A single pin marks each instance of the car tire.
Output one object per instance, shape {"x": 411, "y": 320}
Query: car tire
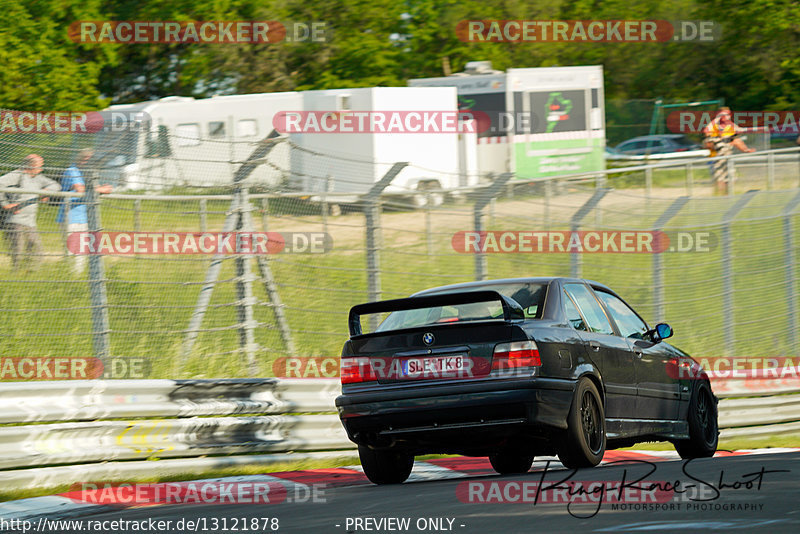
{"x": 510, "y": 463}
{"x": 585, "y": 441}
{"x": 703, "y": 425}
{"x": 386, "y": 466}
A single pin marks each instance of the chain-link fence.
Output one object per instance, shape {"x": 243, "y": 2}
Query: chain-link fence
{"x": 337, "y": 230}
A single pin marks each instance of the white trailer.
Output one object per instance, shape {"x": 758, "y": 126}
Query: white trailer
{"x": 191, "y": 142}
{"x": 182, "y": 141}
{"x": 544, "y": 121}
{"x": 352, "y": 162}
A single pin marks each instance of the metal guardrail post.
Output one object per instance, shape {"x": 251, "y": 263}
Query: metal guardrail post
{"x": 97, "y": 279}
{"x": 372, "y": 215}
{"x": 727, "y": 271}
{"x": 791, "y": 272}
{"x": 658, "y": 264}
{"x": 483, "y": 198}
{"x": 575, "y": 222}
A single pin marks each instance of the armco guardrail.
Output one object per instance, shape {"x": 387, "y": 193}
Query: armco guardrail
{"x": 72, "y": 424}
{"x": 85, "y": 400}
{"x": 95, "y": 421}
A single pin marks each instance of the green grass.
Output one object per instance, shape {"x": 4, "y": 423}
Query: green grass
{"x": 46, "y": 313}
{"x": 731, "y": 444}
{"x": 278, "y": 467}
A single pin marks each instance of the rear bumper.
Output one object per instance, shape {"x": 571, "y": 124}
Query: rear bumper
{"x": 455, "y": 417}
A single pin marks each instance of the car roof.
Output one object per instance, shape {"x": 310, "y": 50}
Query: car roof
{"x": 531, "y": 280}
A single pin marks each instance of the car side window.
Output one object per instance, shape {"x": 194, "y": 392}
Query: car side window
{"x": 573, "y": 315}
{"x": 629, "y": 324}
{"x": 596, "y": 318}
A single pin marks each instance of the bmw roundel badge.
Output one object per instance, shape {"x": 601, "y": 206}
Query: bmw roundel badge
{"x": 428, "y": 338}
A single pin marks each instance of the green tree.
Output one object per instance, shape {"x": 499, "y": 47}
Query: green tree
{"x": 42, "y": 68}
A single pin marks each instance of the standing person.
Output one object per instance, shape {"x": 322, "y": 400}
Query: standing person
{"x": 20, "y": 226}
{"x": 722, "y": 135}
{"x": 78, "y": 217}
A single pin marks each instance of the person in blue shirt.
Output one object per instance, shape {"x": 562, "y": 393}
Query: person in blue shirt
{"x": 77, "y": 216}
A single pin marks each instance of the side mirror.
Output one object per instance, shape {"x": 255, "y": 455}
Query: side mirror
{"x": 661, "y": 332}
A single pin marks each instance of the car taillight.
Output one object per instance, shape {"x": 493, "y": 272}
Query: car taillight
{"x": 356, "y": 370}
{"x": 515, "y": 355}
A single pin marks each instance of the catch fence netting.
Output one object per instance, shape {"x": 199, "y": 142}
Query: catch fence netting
{"x": 337, "y": 235}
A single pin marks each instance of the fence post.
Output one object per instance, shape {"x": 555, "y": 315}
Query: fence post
{"x": 204, "y": 299}
{"x": 483, "y": 198}
{"x": 372, "y": 215}
{"x": 648, "y": 180}
{"x": 265, "y": 214}
{"x": 791, "y": 271}
{"x": 66, "y": 202}
{"x": 548, "y": 194}
{"x": 137, "y": 215}
{"x": 324, "y": 205}
{"x": 244, "y": 292}
{"x": 270, "y": 285}
{"x": 770, "y": 170}
{"x": 731, "y": 174}
{"x": 234, "y": 220}
{"x": 97, "y": 279}
{"x": 429, "y": 224}
{"x": 658, "y": 265}
{"x": 575, "y": 222}
{"x": 727, "y": 271}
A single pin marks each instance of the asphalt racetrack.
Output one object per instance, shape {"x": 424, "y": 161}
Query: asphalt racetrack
{"x": 748, "y": 493}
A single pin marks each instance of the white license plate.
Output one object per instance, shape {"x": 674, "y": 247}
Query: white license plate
{"x": 434, "y": 367}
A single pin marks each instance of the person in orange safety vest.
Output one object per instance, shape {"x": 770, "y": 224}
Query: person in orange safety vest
{"x": 722, "y": 136}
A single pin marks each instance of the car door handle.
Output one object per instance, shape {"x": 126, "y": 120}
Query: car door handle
{"x": 595, "y": 346}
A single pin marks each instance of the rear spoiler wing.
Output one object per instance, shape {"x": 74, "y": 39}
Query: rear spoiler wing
{"x": 511, "y": 308}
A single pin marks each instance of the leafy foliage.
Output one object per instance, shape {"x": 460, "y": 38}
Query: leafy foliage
{"x": 754, "y": 65}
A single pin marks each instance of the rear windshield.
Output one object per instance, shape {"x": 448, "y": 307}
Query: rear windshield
{"x": 529, "y": 296}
